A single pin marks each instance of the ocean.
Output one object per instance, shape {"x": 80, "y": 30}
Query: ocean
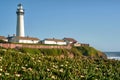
{"x": 113, "y": 55}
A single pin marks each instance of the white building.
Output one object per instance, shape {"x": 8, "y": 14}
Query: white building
{"x": 70, "y": 40}
{"x": 54, "y": 41}
{"x": 3, "y": 38}
{"x": 16, "y": 39}
{"x": 77, "y": 44}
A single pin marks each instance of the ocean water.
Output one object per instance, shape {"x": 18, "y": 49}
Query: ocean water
{"x": 113, "y": 55}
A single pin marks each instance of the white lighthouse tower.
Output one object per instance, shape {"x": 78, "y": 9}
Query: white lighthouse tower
{"x": 20, "y": 35}
{"x": 20, "y": 21}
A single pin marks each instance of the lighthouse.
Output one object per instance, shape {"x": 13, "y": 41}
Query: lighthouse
{"x": 20, "y": 35}
{"x": 20, "y": 21}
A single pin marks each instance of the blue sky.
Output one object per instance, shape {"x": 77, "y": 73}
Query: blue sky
{"x": 96, "y": 22}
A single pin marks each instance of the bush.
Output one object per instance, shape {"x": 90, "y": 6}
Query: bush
{"x": 89, "y": 51}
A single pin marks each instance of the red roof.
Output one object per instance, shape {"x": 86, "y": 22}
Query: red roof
{"x": 2, "y": 37}
{"x": 27, "y": 38}
{"x": 53, "y": 39}
{"x": 70, "y": 39}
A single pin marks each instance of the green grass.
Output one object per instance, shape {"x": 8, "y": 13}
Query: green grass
{"x": 76, "y": 51}
{"x": 33, "y": 64}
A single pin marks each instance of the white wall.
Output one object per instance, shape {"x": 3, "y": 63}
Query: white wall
{"x": 49, "y": 42}
{"x": 28, "y": 41}
{"x": 61, "y": 43}
{"x": 15, "y": 39}
{"x": 54, "y": 42}
{"x": 5, "y": 40}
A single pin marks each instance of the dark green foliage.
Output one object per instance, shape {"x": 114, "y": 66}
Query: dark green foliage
{"x": 28, "y": 50}
{"x": 76, "y": 51}
{"x": 54, "y": 52}
{"x": 89, "y": 51}
{"x": 51, "y": 51}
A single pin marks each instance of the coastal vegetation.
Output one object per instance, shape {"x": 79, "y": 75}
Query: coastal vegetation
{"x": 79, "y": 63}
{"x": 75, "y": 51}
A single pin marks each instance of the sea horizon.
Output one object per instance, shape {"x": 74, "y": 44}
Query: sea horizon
{"x": 113, "y": 55}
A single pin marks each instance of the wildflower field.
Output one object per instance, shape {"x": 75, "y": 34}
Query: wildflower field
{"x": 21, "y": 65}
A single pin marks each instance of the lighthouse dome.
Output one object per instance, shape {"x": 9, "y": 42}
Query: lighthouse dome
{"x": 20, "y": 6}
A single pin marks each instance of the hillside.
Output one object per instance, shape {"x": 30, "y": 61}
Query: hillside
{"x": 73, "y": 52}
{"x": 46, "y": 64}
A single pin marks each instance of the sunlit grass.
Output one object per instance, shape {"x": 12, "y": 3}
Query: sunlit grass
{"x": 28, "y": 66}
